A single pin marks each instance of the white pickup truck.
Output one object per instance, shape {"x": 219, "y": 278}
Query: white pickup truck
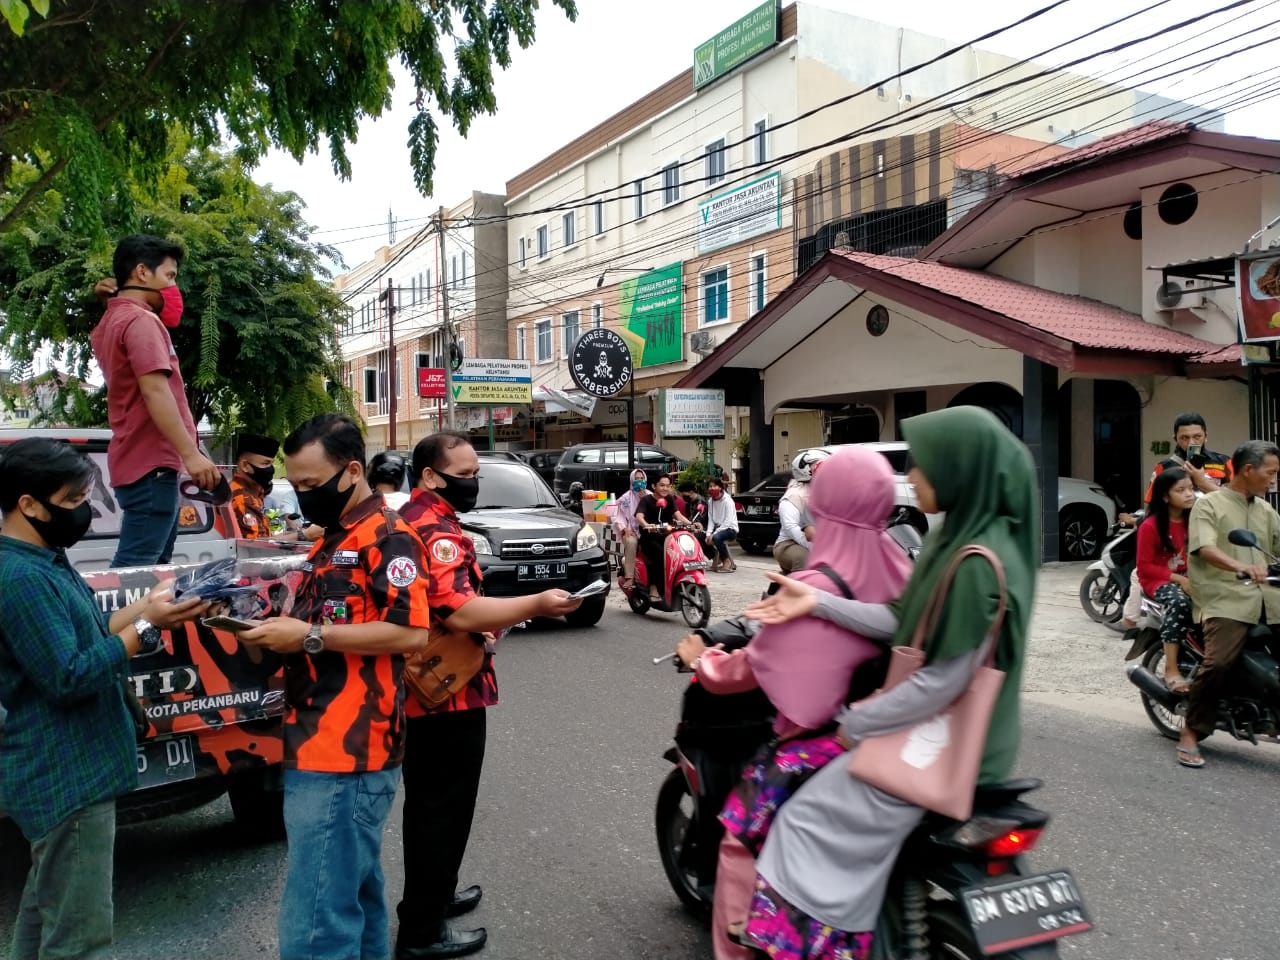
{"x": 215, "y": 708}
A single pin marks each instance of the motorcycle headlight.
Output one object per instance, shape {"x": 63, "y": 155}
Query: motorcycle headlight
{"x": 480, "y": 541}
{"x": 587, "y": 537}
{"x": 688, "y": 546}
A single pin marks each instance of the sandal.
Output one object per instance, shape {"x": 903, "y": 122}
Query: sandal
{"x": 1190, "y": 758}
{"x": 1178, "y": 685}
{"x": 735, "y": 933}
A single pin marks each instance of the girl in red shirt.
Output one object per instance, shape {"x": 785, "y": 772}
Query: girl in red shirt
{"x": 1162, "y": 563}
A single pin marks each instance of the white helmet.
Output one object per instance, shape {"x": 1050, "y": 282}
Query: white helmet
{"x": 805, "y": 462}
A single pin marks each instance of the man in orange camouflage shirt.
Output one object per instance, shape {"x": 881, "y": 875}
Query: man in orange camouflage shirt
{"x": 361, "y": 605}
{"x": 444, "y": 752}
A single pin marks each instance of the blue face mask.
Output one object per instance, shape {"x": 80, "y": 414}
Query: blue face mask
{"x": 639, "y": 486}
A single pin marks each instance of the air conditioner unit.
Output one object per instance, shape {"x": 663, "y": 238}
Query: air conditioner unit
{"x": 702, "y": 342}
{"x": 1172, "y": 295}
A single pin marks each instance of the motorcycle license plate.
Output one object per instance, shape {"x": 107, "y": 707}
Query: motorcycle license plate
{"x": 696, "y": 565}
{"x": 165, "y": 761}
{"x": 550, "y": 570}
{"x": 1025, "y": 911}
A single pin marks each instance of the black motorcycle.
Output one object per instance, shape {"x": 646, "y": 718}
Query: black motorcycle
{"x": 1251, "y": 709}
{"x": 958, "y": 890}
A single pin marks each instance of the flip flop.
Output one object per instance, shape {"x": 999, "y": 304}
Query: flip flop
{"x": 1190, "y": 758}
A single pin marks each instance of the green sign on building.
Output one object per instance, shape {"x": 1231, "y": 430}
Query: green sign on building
{"x": 651, "y": 308}
{"x": 736, "y": 44}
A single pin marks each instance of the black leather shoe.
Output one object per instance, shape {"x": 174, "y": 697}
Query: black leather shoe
{"x": 453, "y": 943}
{"x": 464, "y": 901}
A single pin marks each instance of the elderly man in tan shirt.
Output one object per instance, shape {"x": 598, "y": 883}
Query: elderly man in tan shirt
{"x": 1228, "y": 605}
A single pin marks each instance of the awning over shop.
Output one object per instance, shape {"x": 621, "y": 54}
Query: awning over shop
{"x": 564, "y": 401}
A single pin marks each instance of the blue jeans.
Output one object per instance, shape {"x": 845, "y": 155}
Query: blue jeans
{"x": 333, "y": 906}
{"x": 149, "y": 519}
{"x": 720, "y": 540}
{"x": 66, "y": 904}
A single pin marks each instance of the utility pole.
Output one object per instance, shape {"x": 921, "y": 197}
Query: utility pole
{"x": 393, "y": 367}
{"x": 444, "y": 313}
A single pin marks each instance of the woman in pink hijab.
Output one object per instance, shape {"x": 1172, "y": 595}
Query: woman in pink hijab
{"x": 806, "y": 667}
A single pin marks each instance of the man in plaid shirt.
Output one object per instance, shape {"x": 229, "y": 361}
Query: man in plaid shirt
{"x": 69, "y": 745}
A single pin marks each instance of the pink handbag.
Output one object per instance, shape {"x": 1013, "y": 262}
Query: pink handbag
{"x": 934, "y": 764}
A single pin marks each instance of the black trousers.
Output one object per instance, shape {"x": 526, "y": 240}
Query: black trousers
{"x": 444, "y": 753}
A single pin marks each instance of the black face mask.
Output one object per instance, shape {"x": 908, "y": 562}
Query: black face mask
{"x": 65, "y": 527}
{"x": 262, "y": 476}
{"x": 461, "y": 493}
{"x": 324, "y": 504}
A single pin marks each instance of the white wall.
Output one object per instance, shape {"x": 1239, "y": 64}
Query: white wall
{"x": 915, "y": 351}
{"x": 1224, "y": 404}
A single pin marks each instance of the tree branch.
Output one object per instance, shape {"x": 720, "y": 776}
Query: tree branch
{"x": 57, "y": 167}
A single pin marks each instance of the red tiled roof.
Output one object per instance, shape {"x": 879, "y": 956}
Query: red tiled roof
{"x": 1227, "y": 353}
{"x": 1141, "y": 135}
{"x": 1087, "y": 323}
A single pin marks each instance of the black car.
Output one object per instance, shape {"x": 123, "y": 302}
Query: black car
{"x": 603, "y": 466}
{"x": 758, "y": 513}
{"x": 544, "y": 461}
{"x": 526, "y": 542}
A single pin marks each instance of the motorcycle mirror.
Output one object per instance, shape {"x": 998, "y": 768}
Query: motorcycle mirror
{"x": 1243, "y": 538}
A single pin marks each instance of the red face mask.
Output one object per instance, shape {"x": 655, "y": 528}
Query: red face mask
{"x": 715, "y": 493}
{"x": 170, "y": 311}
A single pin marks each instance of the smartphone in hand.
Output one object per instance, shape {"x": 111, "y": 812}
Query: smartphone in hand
{"x": 231, "y": 624}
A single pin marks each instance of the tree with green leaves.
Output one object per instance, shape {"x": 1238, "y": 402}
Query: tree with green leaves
{"x": 92, "y": 91}
{"x": 257, "y": 343}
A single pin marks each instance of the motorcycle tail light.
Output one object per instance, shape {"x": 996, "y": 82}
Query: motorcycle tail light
{"x": 1013, "y": 844}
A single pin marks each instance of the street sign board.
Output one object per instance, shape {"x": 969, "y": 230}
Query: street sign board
{"x": 498, "y": 380}
{"x": 651, "y": 309}
{"x": 691, "y": 413}
{"x": 600, "y": 362}
{"x": 736, "y": 44}
{"x": 740, "y": 214}
{"x": 1258, "y": 297}
{"x": 431, "y": 383}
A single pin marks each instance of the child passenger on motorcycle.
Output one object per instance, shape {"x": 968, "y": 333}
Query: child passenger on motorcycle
{"x": 1162, "y": 563}
{"x": 806, "y": 668}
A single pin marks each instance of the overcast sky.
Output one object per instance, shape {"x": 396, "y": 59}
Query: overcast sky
{"x": 577, "y": 74}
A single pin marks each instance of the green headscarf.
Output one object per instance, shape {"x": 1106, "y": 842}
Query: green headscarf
{"x": 985, "y": 481}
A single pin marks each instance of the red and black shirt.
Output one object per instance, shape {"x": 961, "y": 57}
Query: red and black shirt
{"x": 247, "y": 506}
{"x": 453, "y": 579}
{"x": 346, "y": 711}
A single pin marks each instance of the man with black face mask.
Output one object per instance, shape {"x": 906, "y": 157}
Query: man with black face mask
{"x": 69, "y": 748}
{"x": 444, "y": 749}
{"x": 360, "y": 607}
{"x": 255, "y": 469}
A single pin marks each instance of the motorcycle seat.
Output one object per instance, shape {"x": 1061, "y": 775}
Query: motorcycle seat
{"x": 995, "y": 794}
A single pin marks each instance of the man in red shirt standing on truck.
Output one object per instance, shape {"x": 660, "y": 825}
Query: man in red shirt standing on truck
{"x": 152, "y": 433}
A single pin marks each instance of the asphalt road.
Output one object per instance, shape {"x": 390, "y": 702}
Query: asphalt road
{"x": 1173, "y": 863}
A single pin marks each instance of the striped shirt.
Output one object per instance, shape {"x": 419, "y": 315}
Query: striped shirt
{"x": 346, "y": 711}
{"x": 68, "y": 739}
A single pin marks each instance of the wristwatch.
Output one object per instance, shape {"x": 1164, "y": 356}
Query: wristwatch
{"x": 149, "y": 636}
{"x": 313, "y": 642}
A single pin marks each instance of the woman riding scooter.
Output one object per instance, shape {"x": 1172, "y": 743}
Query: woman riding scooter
{"x": 826, "y": 863}
{"x": 653, "y": 515}
{"x": 805, "y": 668}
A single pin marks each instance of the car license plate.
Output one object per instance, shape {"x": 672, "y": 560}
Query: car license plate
{"x": 551, "y": 570}
{"x": 1025, "y": 911}
{"x": 758, "y": 511}
{"x": 165, "y": 761}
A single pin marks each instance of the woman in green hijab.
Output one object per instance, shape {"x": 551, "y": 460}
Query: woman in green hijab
{"x": 826, "y": 863}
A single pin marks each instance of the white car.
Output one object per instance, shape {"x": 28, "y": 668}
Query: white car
{"x": 1085, "y": 510}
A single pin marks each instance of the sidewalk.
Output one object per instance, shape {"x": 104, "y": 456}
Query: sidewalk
{"x": 1071, "y": 660}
